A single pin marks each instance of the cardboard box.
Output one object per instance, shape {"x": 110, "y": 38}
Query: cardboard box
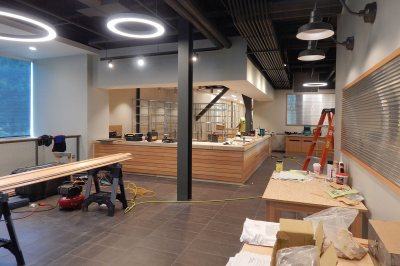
{"x": 384, "y": 241}
{"x": 295, "y": 233}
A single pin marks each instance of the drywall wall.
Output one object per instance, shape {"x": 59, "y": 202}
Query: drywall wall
{"x": 372, "y": 43}
{"x": 272, "y": 116}
{"x": 97, "y": 107}
{"x": 225, "y": 64}
{"x": 228, "y": 67}
{"x": 16, "y": 155}
{"x": 255, "y": 77}
{"x": 65, "y": 101}
{"x": 60, "y": 98}
{"x": 122, "y": 111}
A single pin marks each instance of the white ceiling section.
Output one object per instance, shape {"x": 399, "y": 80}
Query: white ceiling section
{"x": 56, "y": 48}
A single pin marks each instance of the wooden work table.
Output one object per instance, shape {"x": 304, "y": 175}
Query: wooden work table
{"x": 306, "y": 197}
{"x": 211, "y": 161}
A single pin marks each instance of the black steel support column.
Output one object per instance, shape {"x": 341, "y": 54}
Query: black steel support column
{"x": 248, "y": 104}
{"x": 138, "y": 110}
{"x": 185, "y": 99}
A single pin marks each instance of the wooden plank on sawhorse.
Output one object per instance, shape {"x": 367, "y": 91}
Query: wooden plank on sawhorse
{"x": 104, "y": 197}
{"x": 10, "y": 182}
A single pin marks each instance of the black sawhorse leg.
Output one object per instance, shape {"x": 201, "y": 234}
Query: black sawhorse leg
{"x": 12, "y": 244}
{"x": 102, "y": 197}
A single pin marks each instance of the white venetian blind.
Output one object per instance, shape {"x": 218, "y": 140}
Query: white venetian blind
{"x": 305, "y": 109}
{"x": 371, "y": 121}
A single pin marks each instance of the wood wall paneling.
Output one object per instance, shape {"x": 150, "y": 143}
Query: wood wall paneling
{"x": 209, "y": 164}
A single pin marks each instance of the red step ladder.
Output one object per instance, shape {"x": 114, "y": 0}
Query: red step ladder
{"x": 330, "y": 113}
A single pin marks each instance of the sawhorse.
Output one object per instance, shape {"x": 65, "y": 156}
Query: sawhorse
{"x": 103, "y": 197}
{"x": 12, "y": 243}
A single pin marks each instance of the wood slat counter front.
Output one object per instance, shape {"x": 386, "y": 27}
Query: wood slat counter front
{"x": 211, "y": 161}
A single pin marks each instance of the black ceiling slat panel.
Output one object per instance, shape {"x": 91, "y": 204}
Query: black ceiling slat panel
{"x": 252, "y": 21}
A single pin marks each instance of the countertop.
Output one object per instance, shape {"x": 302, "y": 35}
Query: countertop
{"x": 237, "y": 146}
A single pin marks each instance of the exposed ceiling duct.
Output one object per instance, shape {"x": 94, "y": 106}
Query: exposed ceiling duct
{"x": 188, "y": 10}
{"x": 252, "y": 21}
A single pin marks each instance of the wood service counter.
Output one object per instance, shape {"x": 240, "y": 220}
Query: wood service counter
{"x": 211, "y": 161}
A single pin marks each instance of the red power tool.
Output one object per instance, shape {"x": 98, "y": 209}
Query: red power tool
{"x": 71, "y": 196}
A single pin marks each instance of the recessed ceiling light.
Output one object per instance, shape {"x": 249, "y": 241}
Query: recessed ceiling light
{"x": 110, "y": 64}
{"x": 284, "y": 65}
{"x": 114, "y": 21}
{"x": 315, "y": 84}
{"x": 51, "y": 33}
{"x": 195, "y": 57}
{"x": 140, "y": 62}
{"x": 32, "y": 48}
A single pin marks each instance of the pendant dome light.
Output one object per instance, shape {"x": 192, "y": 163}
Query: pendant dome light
{"x": 311, "y": 53}
{"x": 315, "y": 29}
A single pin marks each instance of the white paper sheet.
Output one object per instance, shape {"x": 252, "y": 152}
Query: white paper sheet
{"x": 245, "y": 258}
{"x": 259, "y": 233}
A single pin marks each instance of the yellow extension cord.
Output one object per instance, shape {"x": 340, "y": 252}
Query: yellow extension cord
{"x": 140, "y": 192}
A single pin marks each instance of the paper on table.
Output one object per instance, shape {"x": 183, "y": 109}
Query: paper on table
{"x": 290, "y": 175}
{"x": 259, "y": 233}
{"x": 249, "y": 258}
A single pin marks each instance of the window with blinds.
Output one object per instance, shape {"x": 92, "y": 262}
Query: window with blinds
{"x": 15, "y": 97}
{"x": 371, "y": 121}
{"x": 305, "y": 109}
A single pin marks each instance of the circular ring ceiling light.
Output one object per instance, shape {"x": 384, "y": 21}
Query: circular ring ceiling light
{"x": 316, "y": 30}
{"x": 311, "y": 55}
{"x": 115, "y": 21}
{"x": 50, "y": 32}
{"x": 315, "y": 84}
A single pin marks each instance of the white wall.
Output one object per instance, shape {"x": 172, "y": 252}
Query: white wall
{"x": 225, "y": 64}
{"x": 122, "y": 111}
{"x": 60, "y": 97}
{"x": 16, "y": 155}
{"x": 372, "y": 43}
{"x": 97, "y": 107}
{"x": 255, "y": 77}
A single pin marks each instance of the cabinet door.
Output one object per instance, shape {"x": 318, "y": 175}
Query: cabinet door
{"x": 293, "y": 145}
{"x": 305, "y": 145}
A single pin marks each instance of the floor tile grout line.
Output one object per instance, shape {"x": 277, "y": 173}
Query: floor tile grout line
{"x": 185, "y": 249}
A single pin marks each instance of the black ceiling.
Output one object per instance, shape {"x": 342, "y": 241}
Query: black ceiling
{"x": 84, "y": 21}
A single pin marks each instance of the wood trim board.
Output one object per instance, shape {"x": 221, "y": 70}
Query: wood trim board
{"x": 386, "y": 60}
{"x": 380, "y": 177}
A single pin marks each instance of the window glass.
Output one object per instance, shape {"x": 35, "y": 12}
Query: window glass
{"x": 15, "y": 97}
{"x": 305, "y": 109}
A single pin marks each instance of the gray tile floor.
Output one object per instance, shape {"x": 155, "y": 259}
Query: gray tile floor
{"x": 152, "y": 234}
